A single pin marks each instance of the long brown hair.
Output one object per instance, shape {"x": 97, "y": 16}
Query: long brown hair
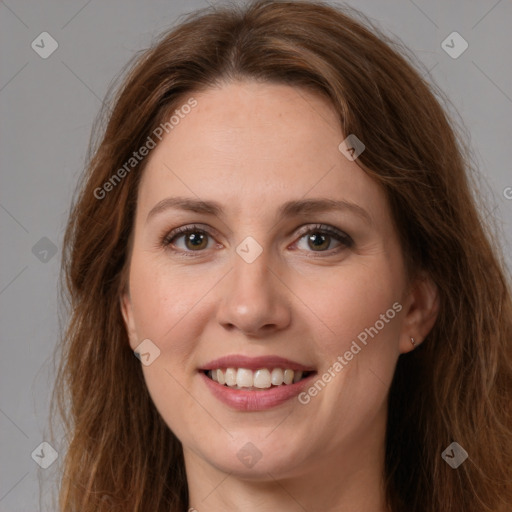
{"x": 457, "y": 386}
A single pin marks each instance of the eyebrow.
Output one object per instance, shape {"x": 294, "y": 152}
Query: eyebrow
{"x": 289, "y": 209}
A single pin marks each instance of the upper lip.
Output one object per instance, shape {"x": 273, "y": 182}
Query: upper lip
{"x": 255, "y": 363}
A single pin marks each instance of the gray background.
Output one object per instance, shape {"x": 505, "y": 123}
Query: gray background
{"x": 47, "y": 109}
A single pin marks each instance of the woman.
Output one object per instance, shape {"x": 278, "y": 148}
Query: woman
{"x": 279, "y": 222}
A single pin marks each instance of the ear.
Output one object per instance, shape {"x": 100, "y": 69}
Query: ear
{"x": 129, "y": 322}
{"x": 421, "y": 310}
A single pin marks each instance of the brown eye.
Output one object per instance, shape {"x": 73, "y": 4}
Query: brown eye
{"x": 194, "y": 239}
{"x": 319, "y": 239}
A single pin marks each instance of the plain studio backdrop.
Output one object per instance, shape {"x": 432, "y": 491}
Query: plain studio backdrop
{"x": 57, "y": 61}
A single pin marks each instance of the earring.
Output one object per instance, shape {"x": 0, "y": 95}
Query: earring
{"x": 413, "y": 341}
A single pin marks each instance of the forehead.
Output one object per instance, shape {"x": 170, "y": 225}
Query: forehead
{"x": 254, "y": 146}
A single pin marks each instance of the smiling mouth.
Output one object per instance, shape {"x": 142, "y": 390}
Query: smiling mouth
{"x": 261, "y": 379}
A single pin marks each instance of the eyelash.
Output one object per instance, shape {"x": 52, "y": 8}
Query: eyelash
{"x": 323, "y": 229}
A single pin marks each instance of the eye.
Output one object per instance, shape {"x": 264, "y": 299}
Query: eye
{"x": 195, "y": 239}
{"x": 319, "y": 238}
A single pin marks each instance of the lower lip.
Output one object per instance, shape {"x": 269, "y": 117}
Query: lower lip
{"x": 255, "y": 400}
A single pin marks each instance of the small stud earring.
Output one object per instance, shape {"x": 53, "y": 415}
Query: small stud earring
{"x": 413, "y": 341}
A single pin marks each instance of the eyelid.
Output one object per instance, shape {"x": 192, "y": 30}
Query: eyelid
{"x": 312, "y": 227}
{"x": 202, "y": 228}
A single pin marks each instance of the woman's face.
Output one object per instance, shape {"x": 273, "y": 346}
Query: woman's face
{"x": 269, "y": 282}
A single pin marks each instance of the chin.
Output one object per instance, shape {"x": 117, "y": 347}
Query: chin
{"x": 253, "y": 460}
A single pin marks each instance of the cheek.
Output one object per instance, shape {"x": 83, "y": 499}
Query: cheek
{"x": 364, "y": 328}
{"x": 351, "y": 303}
{"x": 168, "y": 310}
{"x": 169, "y": 304}
{"x": 173, "y": 397}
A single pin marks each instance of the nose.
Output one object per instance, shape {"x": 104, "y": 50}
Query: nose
{"x": 254, "y": 298}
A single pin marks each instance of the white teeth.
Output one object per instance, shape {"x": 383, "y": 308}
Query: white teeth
{"x": 260, "y": 379}
{"x": 277, "y": 376}
{"x": 230, "y": 377}
{"x": 244, "y": 378}
{"x": 288, "y": 376}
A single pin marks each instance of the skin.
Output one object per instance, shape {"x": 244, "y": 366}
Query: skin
{"x": 252, "y": 147}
